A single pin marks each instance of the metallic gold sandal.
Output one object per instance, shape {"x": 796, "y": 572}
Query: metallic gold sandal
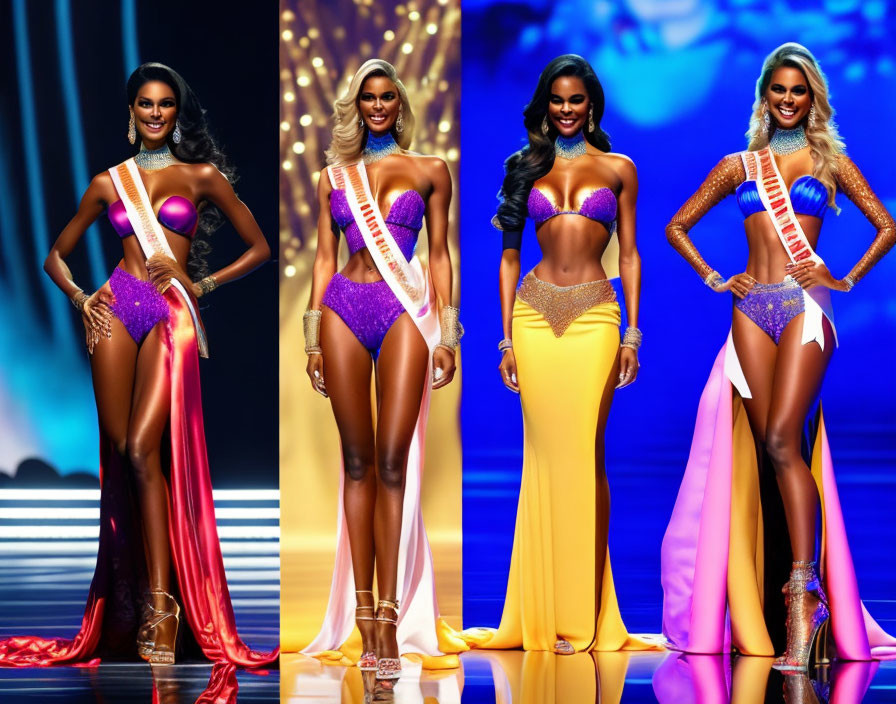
{"x": 387, "y": 668}
{"x": 367, "y": 661}
{"x": 172, "y": 610}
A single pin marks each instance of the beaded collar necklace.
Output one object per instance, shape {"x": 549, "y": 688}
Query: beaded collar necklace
{"x": 379, "y": 147}
{"x": 786, "y": 142}
{"x": 154, "y": 159}
{"x": 570, "y": 147}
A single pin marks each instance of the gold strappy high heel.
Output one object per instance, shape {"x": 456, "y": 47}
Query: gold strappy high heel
{"x": 367, "y": 661}
{"x": 387, "y": 668}
{"x": 156, "y": 655}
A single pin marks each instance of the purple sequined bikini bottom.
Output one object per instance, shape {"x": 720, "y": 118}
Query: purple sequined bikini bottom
{"x": 369, "y": 309}
{"x": 772, "y": 306}
{"x": 137, "y": 304}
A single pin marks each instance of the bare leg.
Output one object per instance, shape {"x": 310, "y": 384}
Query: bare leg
{"x": 149, "y": 416}
{"x": 347, "y": 370}
{"x": 798, "y": 375}
{"x": 757, "y": 354}
{"x": 112, "y": 364}
{"x": 401, "y": 376}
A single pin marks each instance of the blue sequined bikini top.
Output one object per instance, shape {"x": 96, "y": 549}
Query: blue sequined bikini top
{"x": 808, "y": 196}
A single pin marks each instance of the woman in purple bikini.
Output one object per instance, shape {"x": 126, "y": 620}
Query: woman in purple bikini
{"x": 726, "y": 550}
{"x": 383, "y": 314}
{"x": 144, "y": 336}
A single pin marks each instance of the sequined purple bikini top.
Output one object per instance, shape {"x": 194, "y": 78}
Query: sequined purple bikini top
{"x": 404, "y": 220}
{"x": 177, "y": 214}
{"x": 600, "y": 206}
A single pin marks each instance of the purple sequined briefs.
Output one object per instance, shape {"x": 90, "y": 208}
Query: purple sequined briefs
{"x": 137, "y": 304}
{"x": 772, "y": 306}
{"x": 369, "y": 309}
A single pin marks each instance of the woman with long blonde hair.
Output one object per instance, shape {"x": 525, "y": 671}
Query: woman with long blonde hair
{"x": 382, "y": 314}
{"x": 727, "y": 549}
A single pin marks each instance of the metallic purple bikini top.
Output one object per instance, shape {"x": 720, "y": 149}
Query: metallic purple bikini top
{"x": 404, "y": 221}
{"x": 177, "y": 214}
{"x": 600, "y": 206}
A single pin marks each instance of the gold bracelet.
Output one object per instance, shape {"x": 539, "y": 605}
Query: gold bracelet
{"x": 79, "y": 299}
{"x": 208, "y": 284}
{"x": 452, "y": 330}
{"x": 311, "y": 326}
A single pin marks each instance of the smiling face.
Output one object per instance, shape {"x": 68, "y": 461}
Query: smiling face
{"x": 155, "y": 113}
{"x": 379, "y": 104}
{"x": 568, "y": 105}
{"x": 788, "y": 96}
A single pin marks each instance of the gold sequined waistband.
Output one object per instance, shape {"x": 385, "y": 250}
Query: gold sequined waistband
{"x": 561, "y": 305}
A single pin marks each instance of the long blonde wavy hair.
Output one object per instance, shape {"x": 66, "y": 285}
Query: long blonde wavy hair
{"x": 348, "y": 131}
{"x": 824, "y": 138}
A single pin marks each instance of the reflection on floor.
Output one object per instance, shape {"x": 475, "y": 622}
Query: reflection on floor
{"x": 514, "y": 677}
{"x": 127, "y": 683}
{"x": 47, "y": 555}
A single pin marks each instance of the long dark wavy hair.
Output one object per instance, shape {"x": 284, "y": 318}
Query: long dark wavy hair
{"x": 196, "y": 146}
{"x": 525, "y": 167}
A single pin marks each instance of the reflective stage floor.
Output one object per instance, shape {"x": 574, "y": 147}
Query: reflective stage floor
{"x": 47, "y": 556}
{"x": 513, "y": 677}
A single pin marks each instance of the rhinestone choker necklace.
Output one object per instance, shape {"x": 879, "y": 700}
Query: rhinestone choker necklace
{"x": 786, "y": 142}
{"x": 154, "y": 159}
{"x": 570, "y": 147}
{"x": 379, "y": 147}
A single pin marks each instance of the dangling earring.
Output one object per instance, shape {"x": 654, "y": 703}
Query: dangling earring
{"x": 361, "y": 122}
{"x": 399, "y": 122}
{"x": 812, "y": 117}
{"x": 132, "y": 128}
{"x": 544, "y": 126}
{"x": 176, "y": 135}
{"x": 591, "y": 119}
{"x": 766, "y": 118}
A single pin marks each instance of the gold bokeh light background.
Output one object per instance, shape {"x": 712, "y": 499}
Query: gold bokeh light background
{"x": 322, "y": 44}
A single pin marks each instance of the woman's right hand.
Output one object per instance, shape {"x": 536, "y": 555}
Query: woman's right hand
{"x": 315, "y": 369}
{"x": 739, "y": 285}
{"x": 508, "y": 371}
{"x": 97, "y": 316}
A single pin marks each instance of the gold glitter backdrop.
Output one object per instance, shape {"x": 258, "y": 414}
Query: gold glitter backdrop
{"x": 321, "y": 46}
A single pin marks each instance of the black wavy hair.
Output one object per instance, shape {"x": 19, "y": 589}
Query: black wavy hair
{"x": 196, "y": 146}
{"x": 525, "y": 167}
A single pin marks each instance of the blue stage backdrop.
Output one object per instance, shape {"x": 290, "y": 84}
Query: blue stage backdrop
{"x": 679, "y": 81}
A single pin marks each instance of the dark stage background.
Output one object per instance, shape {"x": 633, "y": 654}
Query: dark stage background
{"x": 63, "y": 119}
{"x": 679, "y": 81}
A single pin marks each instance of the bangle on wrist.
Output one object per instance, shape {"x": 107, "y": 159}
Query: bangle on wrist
{"x": 505, "y": 344}
{"x": 713, "y": 279}
{"x": 632, "y": 338}
{"x": 452, "y": 330}
{"x": 311, "y": 326}
{"x": 79, "y": 299}
{"x": 208, "y": 284}
{"x": 849, "y": 283}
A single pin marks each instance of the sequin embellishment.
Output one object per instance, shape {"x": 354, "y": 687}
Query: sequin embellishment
{"x": 561, "y": 305}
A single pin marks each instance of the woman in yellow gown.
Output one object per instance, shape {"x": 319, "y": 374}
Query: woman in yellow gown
{"x": 561, "y": 352}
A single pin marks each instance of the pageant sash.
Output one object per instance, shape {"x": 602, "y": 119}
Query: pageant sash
{"x": 406, "y": 279}
{"x": 760, "y": 166}
{"x": 133, "y": 195}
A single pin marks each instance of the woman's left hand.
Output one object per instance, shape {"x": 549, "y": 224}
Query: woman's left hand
{"x": 162, "y": 270}
{"x": 808, "y": 274}
{"x": 443, "y": 367}
{"x": 628, "y": 366}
